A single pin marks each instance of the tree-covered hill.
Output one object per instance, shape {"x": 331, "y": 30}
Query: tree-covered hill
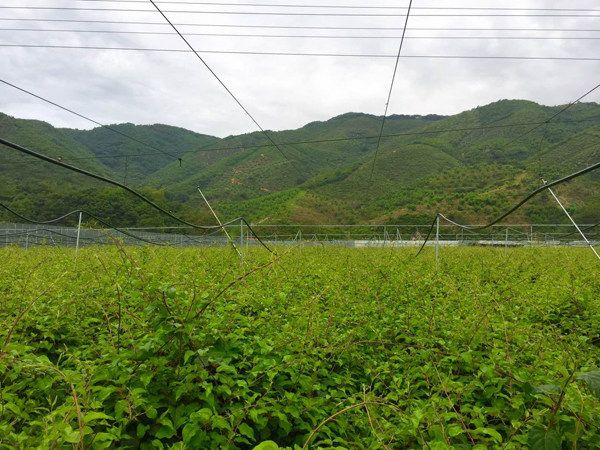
{"x": 131, "y": 157}
{"x": 470, "y": 166}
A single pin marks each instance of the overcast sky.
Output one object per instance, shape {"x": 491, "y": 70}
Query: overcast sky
{"x": 285, "y": 92}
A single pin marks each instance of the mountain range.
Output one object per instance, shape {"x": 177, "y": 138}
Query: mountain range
{"x": 470, "y": 166}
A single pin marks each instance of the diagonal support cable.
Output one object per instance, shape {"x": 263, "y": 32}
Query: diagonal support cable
{"x": 387, "y": 103}
{"x": 532, "y": 194}
{"x": 89, "y": 119}
{"x": 264, "y": 132}
{"x": 220, "y": 223}
{"x": 572, "y": 221}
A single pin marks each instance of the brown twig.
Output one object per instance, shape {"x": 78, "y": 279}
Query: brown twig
{"x": 362, "y": 404}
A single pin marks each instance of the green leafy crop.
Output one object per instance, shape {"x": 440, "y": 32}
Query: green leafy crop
{"x": 325, "y": 348}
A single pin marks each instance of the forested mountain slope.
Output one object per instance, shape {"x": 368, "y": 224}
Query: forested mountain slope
{"x": 470, "y": 165}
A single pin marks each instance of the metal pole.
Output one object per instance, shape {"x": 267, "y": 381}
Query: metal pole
{"x": 241, "y": 242}
{"x": 78, "y": 233}
{"x": 531, "y": 234}
{"x": 506, "y": 240}
{"x": 437, "y": 237}
{"x": 219, "y": 222}
{"x": 573, "y": 222}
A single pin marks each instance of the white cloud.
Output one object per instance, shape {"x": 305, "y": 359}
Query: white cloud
{"x": 283, "y": 91}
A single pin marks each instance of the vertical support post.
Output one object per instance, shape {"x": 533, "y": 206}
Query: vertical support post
{"x": 78, "y": 233}
{"x": 219, "y": 222}
{"x": 437, "y": 237}
{"x": 531, "y": 234}
{"x": 241, "y": 243}
{"x": 506, "y": 239}
{"x": 573, "y": 222}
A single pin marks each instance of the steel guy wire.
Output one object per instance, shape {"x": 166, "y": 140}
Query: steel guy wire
{"x": 107, "y": 127}
{"x": 309, "y": 54}
{"x": 272, "y": 13}
{"x": 206, "y": 148}
{"x": 330, "y": 6}
{"x": 302, "y": 36}
{"x": 137, "y": 194}
{"x": 106, "y": 224}
{"x": 387, "y": 103}
{"x": 287, "y": 27}
{"x": 267, "y": 135}
{"x": 512, "y": 209}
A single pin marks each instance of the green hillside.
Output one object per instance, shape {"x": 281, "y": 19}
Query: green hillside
{"x": 132, "y": 159}
{"x": 425, "y": 164}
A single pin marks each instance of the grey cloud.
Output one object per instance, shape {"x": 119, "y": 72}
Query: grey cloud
{"x": 285, "y": 92}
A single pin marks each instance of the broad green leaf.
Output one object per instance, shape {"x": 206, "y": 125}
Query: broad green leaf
{"x": 141, "y": 430}
{"x": 259, "y": 419}
{"x": 491, "y": 432}
{"x": 267, "y": 445}
{"x": 157, "y": 444}
{"x": 189, "y": 433}
{"x": 246, "y": 430}
{"x": 547, "y": 389}
{"x": 95, "y": 415}
{"x": 454, "y": 430}
{"x": 202, "y": 416}
{"x": 151, "y": 412}
{"x": 166, "y": 430}
{"x": 104, "y": 437}
{"x": 592, "y": 380}
{"x": 188, "y": 354}
{"x": 146, "y": 378}
{"x": 71, "y": 436}
{"x": 541, "y": 439}
{"x": 220, "y": 423}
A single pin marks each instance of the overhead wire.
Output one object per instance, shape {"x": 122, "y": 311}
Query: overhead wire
{"x": 387, "y": 103}
{"x": 330, "y": 6}
{"x": 303, "y": 36}
{"x": 107, "y": 127}
{"x": 535, "y": 192}
{"x": 583, "y": 230}
{"x": 97, "y": 219}
{"x": 335, "y": 55}
{"x": 209, "y": 68}
{"x": 106, "y": 224}
{"x": 132, "y": 191}
{"x": 554, "y": 116}
{"x": 513, "y": 208}
{"x": 271, "y": 13}
{"x": 392, "y": 82}
{"x": 207, "y": 148}
{"x": 30, "y": 232}
{"x": 301, "y": 27}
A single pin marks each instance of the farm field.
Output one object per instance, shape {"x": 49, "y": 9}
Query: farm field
{"x": 313, "y": 348}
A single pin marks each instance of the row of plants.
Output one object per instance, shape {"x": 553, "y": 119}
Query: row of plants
{"x": 310, "y": 348}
